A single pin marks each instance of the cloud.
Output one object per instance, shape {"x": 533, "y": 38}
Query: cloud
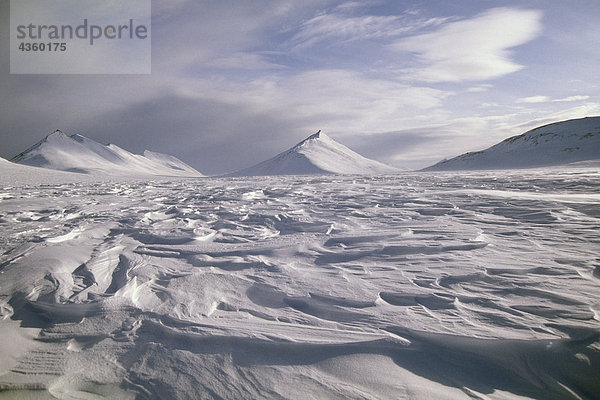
{"x": 233, "y": 84}
{"x": 194, "y": 35}
{"x": 244, "y": 61}
{"x": 399, "y": 148}
{"x": 475, "y": 49}
{"x": 212, "y": 135}
{"x": 535, "y": 99}
{"x": 572, "y": 98}
{"x": 272, "y": 113}
{"x": 479, "y": 88}
{"x": 340, "y": 100}
{"x": 336, "y": 27}
{"x": 215, "y": 125}
{"x": 424, "y": 145}
{"x": 339, "y": 25}
{"x": 546, "y": 99}
{"x": 547, "y": 117}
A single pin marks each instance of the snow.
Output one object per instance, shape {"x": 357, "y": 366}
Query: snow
{"x": 77, "y": 153}
{"x": 18, "y": 174}
{"x": 449, "y": 286}
{"x": 560, "y": 143}
{"x": 317, "y": 154}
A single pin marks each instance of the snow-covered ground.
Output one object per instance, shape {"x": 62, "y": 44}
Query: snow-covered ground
{"x": 416, "y": 285}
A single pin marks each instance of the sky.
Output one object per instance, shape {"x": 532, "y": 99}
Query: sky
{"x": 407, "y": 83}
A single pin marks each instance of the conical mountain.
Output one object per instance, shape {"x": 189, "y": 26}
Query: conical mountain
{"x": 317, "y": 154}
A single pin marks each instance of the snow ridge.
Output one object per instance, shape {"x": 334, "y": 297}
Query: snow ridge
{"x": 559, "y": 143}
{"x": 77, "y": 153}
{"x": 317, "y": 154}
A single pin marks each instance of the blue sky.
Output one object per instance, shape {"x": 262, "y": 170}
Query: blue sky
{"x": 404, "y": 82}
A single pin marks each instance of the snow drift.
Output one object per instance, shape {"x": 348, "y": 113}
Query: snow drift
{"x": 317, "y": 154}
{"x": 559, "y": 143}
{"x": 77, "y": 153}
{"x": 405, "y": 286}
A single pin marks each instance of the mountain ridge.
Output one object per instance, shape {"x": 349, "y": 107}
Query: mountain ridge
{"x": 77, "y": 153}
{"x": 557, "y": 143}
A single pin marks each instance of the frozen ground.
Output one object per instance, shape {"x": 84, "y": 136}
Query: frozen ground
{"x": 417, "y": 286}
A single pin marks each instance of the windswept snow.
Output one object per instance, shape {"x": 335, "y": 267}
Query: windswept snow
{"x": 420, "y": 286}
{"x": 559, "y": 143}
{"x": 77, "y": 153}
{"x": 317, "y": 154}
{"x": 13, "y": 174}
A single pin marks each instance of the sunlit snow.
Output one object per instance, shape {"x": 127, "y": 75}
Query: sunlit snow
{"x": 317, "y": 154}
{"x": 77, "y": 153}
{"x": 559, "y": 143}
{"x": 424, "y": 286}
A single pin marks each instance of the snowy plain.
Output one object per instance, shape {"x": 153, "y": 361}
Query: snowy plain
{"x": 416, "y": 285}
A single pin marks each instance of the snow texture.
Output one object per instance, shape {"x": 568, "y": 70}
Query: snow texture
{"x": 317, "y": 154}
{"x": 479, "y": 285}
{"x": 559, "y": 143}
{"x": 77, "y": 153}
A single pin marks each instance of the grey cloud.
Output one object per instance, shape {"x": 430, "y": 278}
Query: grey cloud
{"x": 384, "y": 146}
{"x": 212, "y": 136}
{"x": 398, "y": 148}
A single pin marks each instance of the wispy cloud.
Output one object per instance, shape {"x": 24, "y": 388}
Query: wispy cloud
{"x": 535, "y": 99}
{"x": 427, "y": 144}
{"x": 241, "y": 60}
{"x": 546, "y": 99}
{"x": 336, "y": 100}
{"x": 550, "y": 116}
{"x": 337, "y": 26}
{"x": 479, "y": 88}
{"x": 474, "y": 49}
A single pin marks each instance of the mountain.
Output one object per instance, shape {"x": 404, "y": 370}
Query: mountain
{"x": 77, "y": 153}
{"x": 559, "y": 143}
{"x": 317, "y": 154}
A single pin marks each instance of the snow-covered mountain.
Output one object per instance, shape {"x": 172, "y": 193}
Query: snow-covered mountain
{"x": 77, "y": 153}
{"x": 317, "y": 154}
{"x": 559, "y": 143}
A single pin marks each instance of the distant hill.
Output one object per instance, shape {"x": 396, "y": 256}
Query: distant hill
{"x": 77, "y": 153}
{"x": 559, "y": 143}
{"x": 317, "y": 154}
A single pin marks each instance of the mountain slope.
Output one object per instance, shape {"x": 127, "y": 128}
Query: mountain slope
{"x": 317, "y": 154}
{"x": 77, "y": 153}
{"x": 554, "y": 144}
{"x": 19, "y": 175}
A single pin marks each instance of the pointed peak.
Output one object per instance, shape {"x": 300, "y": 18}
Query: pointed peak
{"x": 56, "y": 135}
{"x": 315, "y": 136}
{"x": 57, "y": 132}
{"x": 318, "y": 135}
